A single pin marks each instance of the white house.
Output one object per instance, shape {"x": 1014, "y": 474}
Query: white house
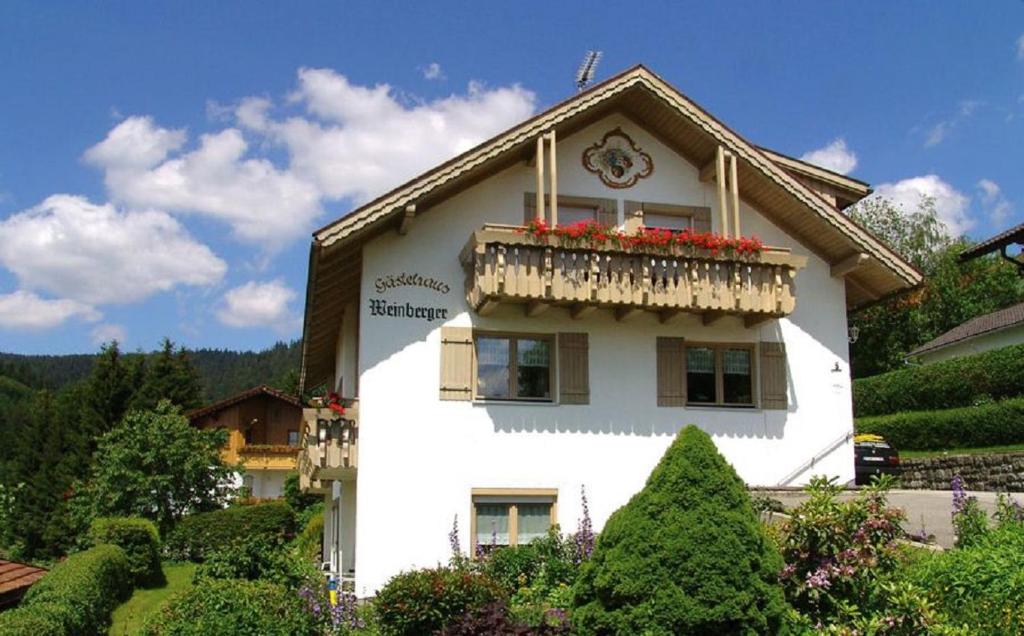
{"x": 490, "y": 374}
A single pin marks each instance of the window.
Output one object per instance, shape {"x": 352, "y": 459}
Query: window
{"x": 665, "y": 216}
{"x": 674, "y": 222}
{"x": 514, "y": 367}
{"x": 503, "y": 517}
{"x": 720, "y": 374}
{"x": 569, "y": 214}
{"x": 573, "y": 209}
{"x": 293, "y": 437}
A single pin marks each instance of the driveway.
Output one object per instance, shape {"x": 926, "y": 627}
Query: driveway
{"x": 927, "y": 509}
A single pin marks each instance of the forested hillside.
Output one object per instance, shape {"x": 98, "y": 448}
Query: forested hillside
{"x": 222, "y": 372}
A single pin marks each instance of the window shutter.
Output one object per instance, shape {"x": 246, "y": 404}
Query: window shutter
{"x": 608, "y": 213}
{"x": 774, "y": 389}
{"x": 573, "y": 368}
{"x": 456, "y": 363}
{"x": 701, "y": 219}
{"x": 671, "y": 374}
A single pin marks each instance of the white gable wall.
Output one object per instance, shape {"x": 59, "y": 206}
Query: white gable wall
{"x": 420, "y": 457}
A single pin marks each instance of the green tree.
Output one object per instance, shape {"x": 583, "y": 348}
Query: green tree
{"x": 153, "y": 464}
{"x": 169, "y": 376}
{"x": 686, "y": 555}
{"x": 952, "y": 292}
{"x": 109, "y": 389}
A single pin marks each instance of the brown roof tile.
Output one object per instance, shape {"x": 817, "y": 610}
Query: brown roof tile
{"x": 15, "y": 576}
{"x": 1008, "y": 317}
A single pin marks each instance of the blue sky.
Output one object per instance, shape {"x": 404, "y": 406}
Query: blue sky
{"x": 162, "y": 164}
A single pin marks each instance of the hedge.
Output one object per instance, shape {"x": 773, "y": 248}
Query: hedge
{"x": 992, "y": 375}
{"x": 994, "y": 424}
{"x": 140, "y": 541}
{"x": 229, "y": 607}
{"x": 74, "y": 598}
{"x": 198, "y": 535}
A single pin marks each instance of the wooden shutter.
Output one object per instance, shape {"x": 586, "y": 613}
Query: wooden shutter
{"x": 671, "y": 373}
{"x": 456, "y": 363}
{"x": 573, "y": 368}
{"x": 701, "y": 219}
{"x": 774, "y": 389}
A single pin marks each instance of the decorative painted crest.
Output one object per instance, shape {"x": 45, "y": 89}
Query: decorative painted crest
{"x": 618, "y": 160}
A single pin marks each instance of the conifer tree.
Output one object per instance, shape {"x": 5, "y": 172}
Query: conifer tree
{"x": 170, "y": 375}
{"x": 686, "y": 555}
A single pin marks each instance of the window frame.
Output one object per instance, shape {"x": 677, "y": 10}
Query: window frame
{"x": 596, "y": 204}
{"x": 718, "y": 348}
{"x": 298, "y": 438}
{"x": 512, "y": 497}
{"x": 513, "y": 366}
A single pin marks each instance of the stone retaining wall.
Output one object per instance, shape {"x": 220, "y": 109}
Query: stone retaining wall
{"x": 979, "y": 472}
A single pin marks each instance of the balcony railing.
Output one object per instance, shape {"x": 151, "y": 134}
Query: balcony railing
{"x": 330, "y": 449}
{"x": 506, "y": 266}
{"x": 276, "y": 456}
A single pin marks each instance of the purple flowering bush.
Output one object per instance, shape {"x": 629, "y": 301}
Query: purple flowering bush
{"x": 340, "y": 619}
{"x": 842, "y": 563}
{"x": 970, "y": 523}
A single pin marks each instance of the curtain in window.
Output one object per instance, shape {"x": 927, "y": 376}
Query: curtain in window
{"x": 534, "y": 521}
{"x": 533, "y": 358}
{"x": 492, "y": 524}
{"x": 700, "y": 360}
{"x": 736, "y": 361}
{"x": 492, "y": 355}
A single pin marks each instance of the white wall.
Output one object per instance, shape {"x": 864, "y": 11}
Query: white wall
{"x": 267, "y": 484}
{"x": 420, "y": 457}
{"x": 985, "y": 342}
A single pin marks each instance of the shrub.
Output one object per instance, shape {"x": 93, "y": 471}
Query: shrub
{"x": 220, "y": 607}
{"x": 76, "y": 597}
{"x": 255, "y": 558}
{"x": 140, "y": 541}
{"x": 981, "y": 586}
{"x": 992, "y": 375}
{"x": 309, "y": 542}
{"x": 423, "y": 602}
{"x": 512, "y": 567}
{"x": 995, "y": 424}
{"x": 201, "y": 534}
{"x": 494, "y": 619}
{"x": 686, "y": 555}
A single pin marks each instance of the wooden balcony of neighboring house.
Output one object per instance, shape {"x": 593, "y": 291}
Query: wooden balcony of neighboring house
{"x": 329, "y": 446}
{"x": 268, "y": 456}
{"x": 506, "y": 266}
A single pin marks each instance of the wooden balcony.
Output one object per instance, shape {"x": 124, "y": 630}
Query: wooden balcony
{"x": 330, "y": 449}
{"x": 268, "y": 457}
{"x": 506, "y": 266}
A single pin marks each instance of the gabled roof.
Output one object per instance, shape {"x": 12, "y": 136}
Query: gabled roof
{"x": 15, "y": 579}
{"x": 642, "y": 96}
{"x": 241, "y": 397}
{"x": 995, "y": 243}
{"x": 997, "y": 320}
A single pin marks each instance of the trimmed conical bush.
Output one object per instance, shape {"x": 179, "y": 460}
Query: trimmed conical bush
{"x": 686, "y": 555}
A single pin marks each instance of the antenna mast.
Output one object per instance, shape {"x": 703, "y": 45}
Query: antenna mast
{"x": 585, "y": 74}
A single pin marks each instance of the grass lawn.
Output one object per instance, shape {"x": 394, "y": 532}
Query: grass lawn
{"x": 129, "y": 617}
{"x": 911, "y": 454}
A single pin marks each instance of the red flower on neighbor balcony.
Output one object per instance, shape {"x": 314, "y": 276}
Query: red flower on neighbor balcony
{"x": 594, "y": 234}
{"x": 334, "y": 403}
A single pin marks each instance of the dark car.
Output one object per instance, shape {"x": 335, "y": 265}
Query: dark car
{"x": 872, "y": 455}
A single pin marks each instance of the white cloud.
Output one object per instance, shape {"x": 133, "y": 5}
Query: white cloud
{"x": 937, "y": 133}
{"x": 260, "y": 305}
{"x": 433, "y": 72}
{"x": 262, "y": 204}
{"x": 135, "y": 143}
{"x": 951, "y": 205}
{"x": 97, "y": 254}
{"x": 357, "y": 141}
{"x": 835, "y": 156}
{"x": 940, "y": 131}
{"x": 25, "y": 310}
{"x": 107, "y": 332}
{"x": 1020, "y": 47}
{"x": 996, "y": 204}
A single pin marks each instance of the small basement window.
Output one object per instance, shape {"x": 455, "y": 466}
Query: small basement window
{"x": 503, "y": 517}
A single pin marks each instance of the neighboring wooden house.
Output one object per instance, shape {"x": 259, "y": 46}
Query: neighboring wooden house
{"x": 488, "y": 374}
{"x": 15, "y": 579}
{"x": 263, "y": 427}
{"x": 992, "y": 331}
{"x": 1003, "y": 243}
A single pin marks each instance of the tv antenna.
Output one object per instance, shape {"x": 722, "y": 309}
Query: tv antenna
{"x": 585, "y": 75}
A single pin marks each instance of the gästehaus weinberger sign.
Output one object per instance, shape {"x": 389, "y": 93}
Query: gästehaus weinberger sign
{"x": 391, "y": 309}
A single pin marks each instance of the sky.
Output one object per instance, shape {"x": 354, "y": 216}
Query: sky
{"x": 162, "y": 165}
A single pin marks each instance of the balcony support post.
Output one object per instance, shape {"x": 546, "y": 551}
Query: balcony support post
{"x": 723, "y": 212}
{"x": 734, "y": 187}
{"x": 554, "y": 179}
{"x": 540, "y": 177}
